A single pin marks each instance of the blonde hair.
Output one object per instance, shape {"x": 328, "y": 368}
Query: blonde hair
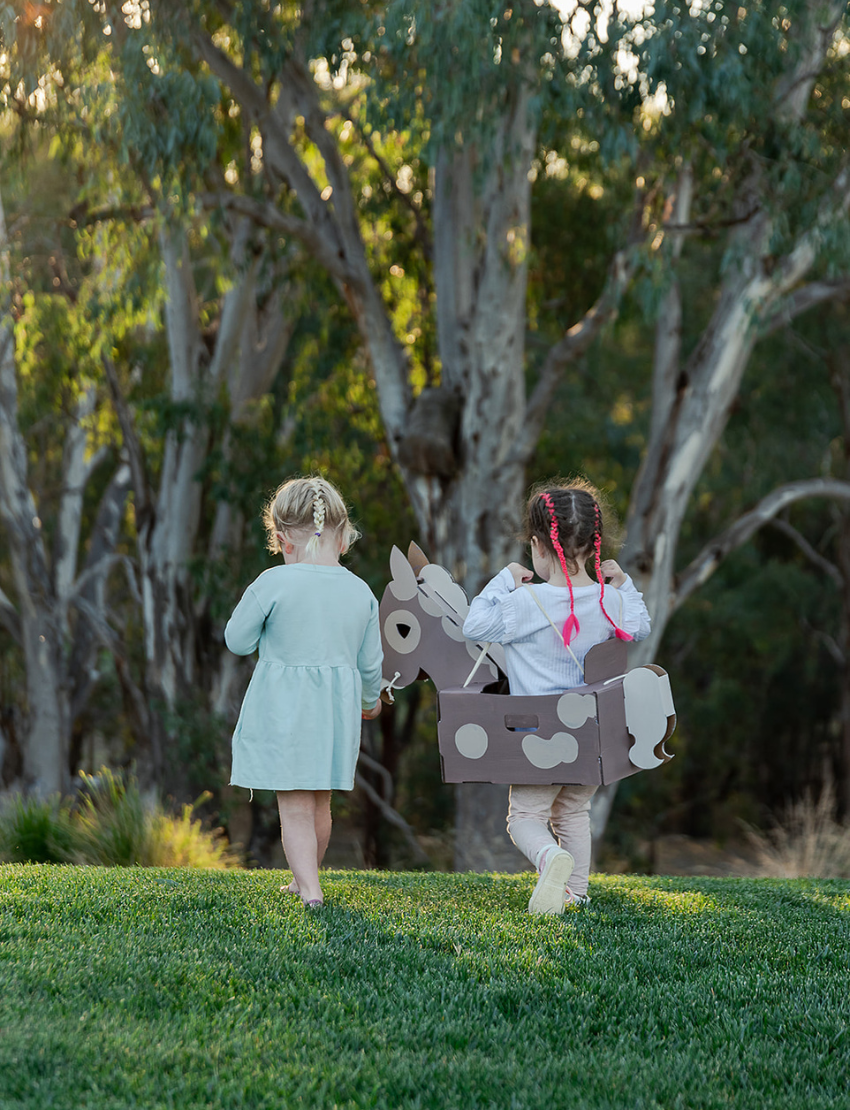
{"x": 309, "y": 506}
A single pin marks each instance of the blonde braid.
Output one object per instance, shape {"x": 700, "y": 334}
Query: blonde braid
{"x": 319, "y": 510}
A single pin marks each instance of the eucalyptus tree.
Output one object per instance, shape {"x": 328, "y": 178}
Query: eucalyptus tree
{"x": 731, "y": 120}
{"x": 224, "y": 343}
{"x": 63, "y": 488}
{"x": 727, "y": 120}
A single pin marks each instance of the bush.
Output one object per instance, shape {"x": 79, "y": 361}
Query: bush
{"x": 38, "y": 831}
{"x": 113, "y": 820}
{"x": 110, "y": 824}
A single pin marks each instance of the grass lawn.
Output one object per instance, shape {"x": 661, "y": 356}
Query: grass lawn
{"x": 154, "y": 988}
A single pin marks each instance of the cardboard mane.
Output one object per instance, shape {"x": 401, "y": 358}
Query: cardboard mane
{"x": 611, "y": 727}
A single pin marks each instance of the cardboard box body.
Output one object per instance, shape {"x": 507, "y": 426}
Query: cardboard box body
{"x": 605, "y": 730}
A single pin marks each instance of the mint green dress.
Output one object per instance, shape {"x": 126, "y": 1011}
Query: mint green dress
{"x": 320, "y": 665}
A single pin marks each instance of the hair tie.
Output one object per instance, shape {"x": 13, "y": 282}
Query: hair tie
{"x": 318, "y": 520}
{"x": 571, "y": 627}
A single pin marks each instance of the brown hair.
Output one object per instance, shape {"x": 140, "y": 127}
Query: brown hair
{"x": 311, "y": 507}
{"x": 568, "y": 520}
{"x": 580, "y": 511}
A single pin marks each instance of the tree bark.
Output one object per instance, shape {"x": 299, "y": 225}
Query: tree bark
{"x": 466, "y": 500}
{"x": 47, "y": 724}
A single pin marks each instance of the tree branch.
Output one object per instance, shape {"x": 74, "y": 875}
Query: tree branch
{"x": 423, "y": 236}
{"x": 826, "y": 566}
{"x": 379, "y": 769}
{"x": 394, "y": 818}
{"x": 102, "y": 567}
{"x": 325, "y": 239}
{"x": 9, "y": 618}
{"x": 133, "y": 448}
{"x": 805, "y": 297}
{"x": 81, "y": 215}
{"x": 713, "y": 554}
{"x": 571, "y": 347}
{"x": 266, "y": 214}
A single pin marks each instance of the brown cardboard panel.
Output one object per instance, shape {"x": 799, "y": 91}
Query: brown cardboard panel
{"x": 421, "y": 630}
{"x": 606, "y": 660}
{"x": 508, "y": 739}
{"x": 603, "y": 731}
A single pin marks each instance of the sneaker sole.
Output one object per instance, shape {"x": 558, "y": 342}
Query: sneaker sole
{"x": 549, "y": 894}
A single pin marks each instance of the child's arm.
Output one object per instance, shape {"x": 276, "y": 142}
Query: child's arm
{"x": 635, "y": 618}
{"x": 243, "y": 630}
{"x": 613, "y": 572}
{"x": 370, "y": 661}
{"x": 491, "y": 618}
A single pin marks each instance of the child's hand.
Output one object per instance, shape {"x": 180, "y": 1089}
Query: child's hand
{"x": 371, "y": 714}
{"x": 612, "y": 572}
{"x": 520, "y": 573}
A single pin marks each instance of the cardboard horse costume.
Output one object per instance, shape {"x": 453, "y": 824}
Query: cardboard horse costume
{"x": 614, "y": 725}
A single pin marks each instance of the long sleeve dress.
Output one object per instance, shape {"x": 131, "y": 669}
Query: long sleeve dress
{"x": 320, "y": 656}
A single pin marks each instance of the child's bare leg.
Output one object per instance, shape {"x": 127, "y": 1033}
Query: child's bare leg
{"x": 323, "y": 832}
{"x": 297, "y": 809}
{"x": 323, "y": 822}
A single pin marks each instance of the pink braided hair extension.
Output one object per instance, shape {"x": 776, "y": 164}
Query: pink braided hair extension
{"x": 620, "y": 633}
{"x": 571, "y": 628}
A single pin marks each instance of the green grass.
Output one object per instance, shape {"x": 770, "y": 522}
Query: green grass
{"x": 154, "y": 988}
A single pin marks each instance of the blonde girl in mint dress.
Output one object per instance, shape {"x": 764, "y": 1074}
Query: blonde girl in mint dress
{"x": 319, "y": 672}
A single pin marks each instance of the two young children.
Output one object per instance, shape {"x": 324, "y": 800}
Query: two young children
{"x": 319, "y": 669}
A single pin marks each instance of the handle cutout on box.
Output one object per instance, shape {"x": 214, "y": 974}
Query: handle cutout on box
{"x": 522, "y": 723}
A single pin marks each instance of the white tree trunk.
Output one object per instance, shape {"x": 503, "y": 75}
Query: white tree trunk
{"x": 45, "y": 742}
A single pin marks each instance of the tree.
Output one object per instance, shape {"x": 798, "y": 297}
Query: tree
{"x": 736, "y": 91}
{"x": 59, "y": 654}
{"x": 667, "y": 99}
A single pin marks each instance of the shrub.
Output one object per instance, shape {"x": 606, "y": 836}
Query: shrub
{"x": 113, "y": 820}
{"x": 807, "y": 842}
{"x": 183, "y": 842}
{"x": 38, "y": 830}
{"x": 112, "y": 824}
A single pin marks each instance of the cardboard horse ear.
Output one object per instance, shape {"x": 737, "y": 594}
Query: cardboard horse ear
{"x": 611, "y": 727}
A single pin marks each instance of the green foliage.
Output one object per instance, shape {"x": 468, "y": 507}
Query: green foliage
{"x": 160, "y": 987}
{"x": 109, "y": 823}
{"x": 113, "y": 820}
{"x": 34, "y": 831}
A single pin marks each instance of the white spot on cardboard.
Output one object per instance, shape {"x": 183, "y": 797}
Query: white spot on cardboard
{"x": 575, "y": 709}
{"x": 542, "y": 753}
{"x": 649, "y": 702}
{"x": 402, "y": 631}
{"x": 471, "y": 741}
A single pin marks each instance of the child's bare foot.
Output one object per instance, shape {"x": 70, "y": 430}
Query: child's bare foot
{"x": 291, "y": 889}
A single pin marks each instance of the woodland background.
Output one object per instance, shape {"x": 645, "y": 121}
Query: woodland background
{"x": 435, "y": 251}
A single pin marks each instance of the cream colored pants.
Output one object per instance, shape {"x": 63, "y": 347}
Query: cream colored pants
{"x": 533, "y": 809}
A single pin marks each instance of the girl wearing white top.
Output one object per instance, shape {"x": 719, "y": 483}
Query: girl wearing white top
{"x": 564, "y": 527}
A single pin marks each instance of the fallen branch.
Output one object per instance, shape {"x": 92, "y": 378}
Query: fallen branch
{"x": 394, "y": 818}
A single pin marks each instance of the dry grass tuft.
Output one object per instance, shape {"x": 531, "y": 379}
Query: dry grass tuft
{"x": 808, "y": 842}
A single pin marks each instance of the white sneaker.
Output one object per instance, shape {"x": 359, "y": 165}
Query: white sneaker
{"x": 549, "y": 894}
{"x": 576, "y": 900}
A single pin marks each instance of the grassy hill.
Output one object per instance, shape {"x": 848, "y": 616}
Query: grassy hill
{"x": 189, "y": 989}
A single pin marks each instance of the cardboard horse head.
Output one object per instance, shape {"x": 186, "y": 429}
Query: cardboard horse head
{"x": 611, "y": 727}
